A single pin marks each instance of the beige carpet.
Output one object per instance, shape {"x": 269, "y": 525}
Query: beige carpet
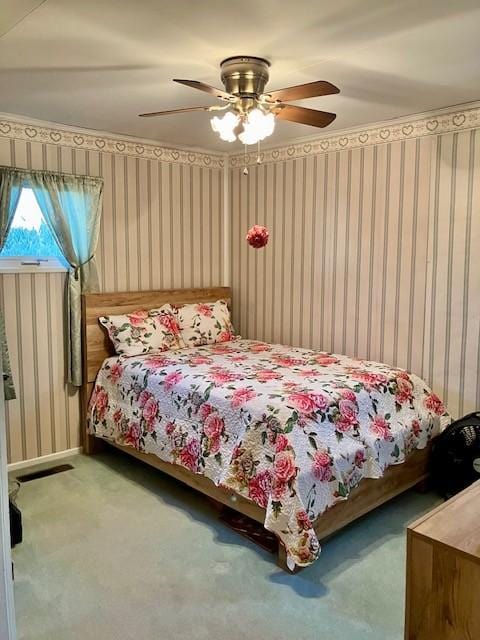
{"x": 115, "y": 550}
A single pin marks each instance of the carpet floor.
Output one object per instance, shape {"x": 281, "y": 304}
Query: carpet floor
{"x": 116, "y": 550}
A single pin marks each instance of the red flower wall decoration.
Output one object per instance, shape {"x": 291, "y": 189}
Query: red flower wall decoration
{"x": 257, "y": 237}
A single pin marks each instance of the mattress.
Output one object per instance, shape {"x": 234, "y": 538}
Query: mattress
{"x": 292, "y": 429}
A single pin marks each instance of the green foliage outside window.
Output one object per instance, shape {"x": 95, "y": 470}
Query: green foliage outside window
{"x": 31, "y": 242}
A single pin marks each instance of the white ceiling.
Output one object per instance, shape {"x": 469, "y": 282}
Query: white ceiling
{"x": 98, "y": 63}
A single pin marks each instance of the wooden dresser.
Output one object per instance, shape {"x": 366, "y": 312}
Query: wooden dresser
{"x": 443, "y": 571}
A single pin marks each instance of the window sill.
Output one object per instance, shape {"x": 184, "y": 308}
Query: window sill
{"x": 37, "y": 270}
{"x": 14, "y": 265}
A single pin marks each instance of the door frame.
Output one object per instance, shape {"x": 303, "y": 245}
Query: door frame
{"x": 7, "y": 608}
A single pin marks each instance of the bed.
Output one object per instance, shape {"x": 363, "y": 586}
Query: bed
{"x": 303, "y": 442}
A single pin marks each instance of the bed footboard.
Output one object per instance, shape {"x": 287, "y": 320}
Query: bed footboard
{"x": 369, "y": 494}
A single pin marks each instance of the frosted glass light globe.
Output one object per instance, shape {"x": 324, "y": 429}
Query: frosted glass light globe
{"x": 225, "y": 126}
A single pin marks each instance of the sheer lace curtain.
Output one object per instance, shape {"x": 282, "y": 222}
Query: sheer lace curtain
{"x": 71, "y": 206}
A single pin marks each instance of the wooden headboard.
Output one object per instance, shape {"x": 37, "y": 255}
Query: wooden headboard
{"x": 96, "y": 345}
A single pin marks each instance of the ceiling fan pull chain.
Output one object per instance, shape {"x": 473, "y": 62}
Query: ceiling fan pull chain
{"x": 245, "y": 168}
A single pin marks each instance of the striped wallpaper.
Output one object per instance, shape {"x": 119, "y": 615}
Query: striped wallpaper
{"x": 452, "y": 323}
{"x": 371, "y": 254}
{"x": 45, "y": 417}
{"x": 162, "y": 227}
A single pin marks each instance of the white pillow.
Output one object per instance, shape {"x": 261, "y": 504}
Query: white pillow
{"x": 144, "y": 331}
{"x": 205, "y": 323}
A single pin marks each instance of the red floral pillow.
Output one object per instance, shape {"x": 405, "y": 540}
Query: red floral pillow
{"x": 205, "y": 323}
{"x": 144, "y": 331}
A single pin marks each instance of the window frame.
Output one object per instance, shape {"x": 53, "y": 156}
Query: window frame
{"x": 32, "y": 264}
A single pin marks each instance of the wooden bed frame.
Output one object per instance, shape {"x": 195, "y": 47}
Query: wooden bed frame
{"x": 96, "y": 347}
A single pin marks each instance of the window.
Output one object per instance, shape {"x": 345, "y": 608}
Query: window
{"x": 30, "y": 245}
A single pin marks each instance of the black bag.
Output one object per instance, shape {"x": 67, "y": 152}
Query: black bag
{"x": 16, "y": 529}
{"x": 455, "y": 461}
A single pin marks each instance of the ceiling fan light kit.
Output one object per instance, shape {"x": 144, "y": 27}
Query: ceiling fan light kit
{"x": 257, "y": 126}
{"x": 250, "y": 112}
{"x": 225, "y": 127}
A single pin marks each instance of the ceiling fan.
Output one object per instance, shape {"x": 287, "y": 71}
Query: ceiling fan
{"x": 250, "y": 111}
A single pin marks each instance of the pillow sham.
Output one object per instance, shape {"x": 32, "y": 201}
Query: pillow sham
{"x": 143, "y": 331}
{"x": 205, "y": 323}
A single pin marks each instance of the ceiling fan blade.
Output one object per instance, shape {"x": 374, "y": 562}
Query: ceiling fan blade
{"x": 169, "y": 111}
{"x": 301, "y": 91}
{"x": 201, "y": 86}
{"x": 306, "y": 116}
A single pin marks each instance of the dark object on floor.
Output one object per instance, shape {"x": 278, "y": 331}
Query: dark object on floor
{"x": 44, "y": 473}
{"x": 455, "y": 458}
{"x": 16, "y": 529}
{"x": 250, "y": 529}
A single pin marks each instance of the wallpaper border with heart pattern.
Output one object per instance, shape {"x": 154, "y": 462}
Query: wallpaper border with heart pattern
{"x": 431, "y": 123}
{"x": 435, "y": 122}
{"x": 24, "y": 129}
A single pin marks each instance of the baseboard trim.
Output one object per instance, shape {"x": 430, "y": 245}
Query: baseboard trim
{"x": 23, "y": 464}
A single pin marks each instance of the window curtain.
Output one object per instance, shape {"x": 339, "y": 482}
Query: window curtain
{"x": 71, "y": 206}
{"x": 11, "y": 182}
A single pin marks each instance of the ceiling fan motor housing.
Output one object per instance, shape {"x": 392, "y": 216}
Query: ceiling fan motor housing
{"x": 245, "y": 76}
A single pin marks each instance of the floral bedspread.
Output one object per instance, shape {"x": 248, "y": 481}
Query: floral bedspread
{"x": 293, "y": 430}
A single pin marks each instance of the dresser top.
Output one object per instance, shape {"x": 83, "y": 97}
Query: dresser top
{"x": 456, "y": 523}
